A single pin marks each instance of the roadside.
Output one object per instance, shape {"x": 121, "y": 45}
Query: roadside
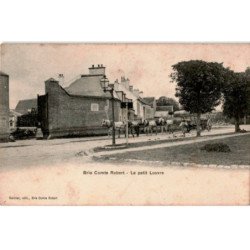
{"x": 151, "y": 142}
{"x": 186, "y": 153}
{"x": 142, "y": 137}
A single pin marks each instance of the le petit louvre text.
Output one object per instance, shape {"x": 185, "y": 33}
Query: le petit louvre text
{"x": 123, "y": 173}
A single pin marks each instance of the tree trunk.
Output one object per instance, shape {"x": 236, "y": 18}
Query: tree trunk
{"x": 237, "y": 125}
{"x": 198, "y": 128}
{"x": 245, "y": 119}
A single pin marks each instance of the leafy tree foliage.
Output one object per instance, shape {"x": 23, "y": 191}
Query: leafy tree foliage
{"x": 199, "y": 85}
{"x": 166, "y": 101}
{"x": 247, "y": 72}
{"x": 235, "y": 97}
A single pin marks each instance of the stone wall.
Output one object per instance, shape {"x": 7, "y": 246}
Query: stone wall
{"x": 4, "y": 107}
{"x": 70, "y": 115}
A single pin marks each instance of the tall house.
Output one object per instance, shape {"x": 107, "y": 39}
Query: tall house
{"x": 4, "y": 107}
{"x": 79, "y": 109}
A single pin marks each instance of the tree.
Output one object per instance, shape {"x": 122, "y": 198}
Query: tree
{"x": 166, "y": 101}
{"x": 247, "y": 72}
{"x": 199, "y": 85}
{"x": 235, "y": 97}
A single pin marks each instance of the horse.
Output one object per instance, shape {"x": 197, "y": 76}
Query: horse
{"x": 187, "y": 126}
{"x": 169, "y": 126}
{"x": 206, "y": 124}
{"x": 149, "y": 126}
{"x": 119, "y": 126}
{"x": 161, "y": 123}
{"x": 134, "y": 126}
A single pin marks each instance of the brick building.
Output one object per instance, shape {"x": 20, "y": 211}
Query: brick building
{"x": 4, "y": 107}
{"x": 77, "y": 110}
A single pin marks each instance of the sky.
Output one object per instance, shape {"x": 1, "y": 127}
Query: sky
{"x": 148, "y": 66}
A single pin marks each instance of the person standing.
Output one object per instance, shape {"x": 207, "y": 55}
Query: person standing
{"x": 183, "y": 126}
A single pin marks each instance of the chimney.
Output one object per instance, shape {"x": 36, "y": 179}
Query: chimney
{"x": 97, "y": 70}
{"x": 141, "y": 94}
{"x": 125, "y": 82}
{"x": 131, "y": 88}
{"x": 136, "y": 92}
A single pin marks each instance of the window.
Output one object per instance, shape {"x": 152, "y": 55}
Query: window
{"x": 94, "y": 107}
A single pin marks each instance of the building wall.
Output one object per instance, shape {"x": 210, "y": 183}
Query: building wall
{"x": 149, "y": 112}
{"x": 141, "y": 111}
{"x": 13, "y": 116}
{"x": 76, "y": 115}
{"x": 4, "y": 107}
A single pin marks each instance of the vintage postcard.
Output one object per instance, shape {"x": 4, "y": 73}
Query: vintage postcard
{"x": 124, "y": 124}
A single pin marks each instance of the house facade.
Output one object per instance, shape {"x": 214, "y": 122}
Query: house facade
{"x": 77, "y": 110}
{"x": 151, "y": 102}
{"x": 13, "y": 118}
{"x": 141, "y": 109}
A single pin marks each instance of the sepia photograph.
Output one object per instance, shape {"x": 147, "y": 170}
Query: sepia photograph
{"x": 124, "y": 124}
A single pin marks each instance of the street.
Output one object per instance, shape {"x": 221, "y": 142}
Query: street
{"x": 34, "y": 153}
{"x": 61, "y": 172}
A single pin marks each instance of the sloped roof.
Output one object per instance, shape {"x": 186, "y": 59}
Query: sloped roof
{"x": 87, "y": 85}
{"x": 14, "y": 113}
{"x": 149, "y": 100}
{"x": 23, "y": 106}
{"x": 145, "y": 103}
{"x": 181, "y": 112}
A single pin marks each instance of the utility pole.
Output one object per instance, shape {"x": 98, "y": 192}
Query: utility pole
{"x": 110, "y": 88}
{"x": 113, "y": 116}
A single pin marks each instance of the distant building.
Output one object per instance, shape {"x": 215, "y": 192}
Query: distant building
{"x": 4, "y": 107}
{"x": 26, "y": 106}
{"x": 164, "y": 111}
{"x": 13, "y": 118}
{"x": 141, "y": 109}
{"x": 151, "y": 101}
